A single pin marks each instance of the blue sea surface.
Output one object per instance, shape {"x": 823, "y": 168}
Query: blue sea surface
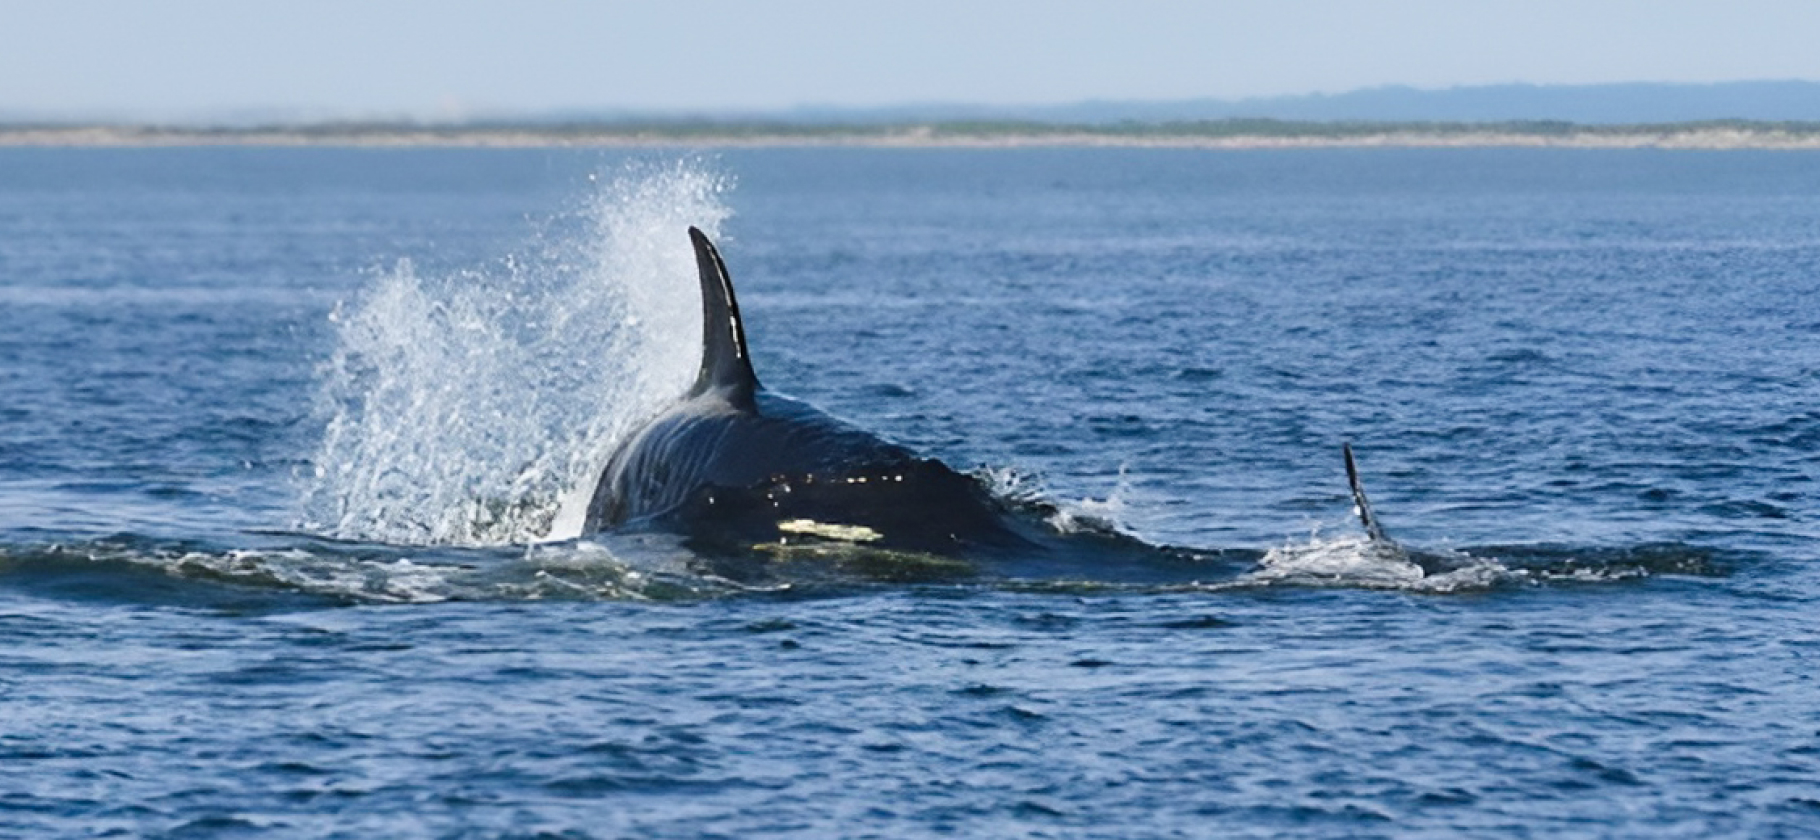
{"x": 291, "y": 442}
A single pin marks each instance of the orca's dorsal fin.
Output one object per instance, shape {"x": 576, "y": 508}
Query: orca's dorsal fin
{"x": 725, "y": 366}
{"x": 1362, "y": 505}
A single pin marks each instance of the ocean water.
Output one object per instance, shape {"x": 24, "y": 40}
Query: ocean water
{"x": 293, "y": 444}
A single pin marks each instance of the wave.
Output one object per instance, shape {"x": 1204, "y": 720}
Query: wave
{"x": 281, "y": 571}
{"x": 1363, "y": 563}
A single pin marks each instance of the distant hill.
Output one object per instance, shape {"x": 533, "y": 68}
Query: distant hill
{"x": 1607, "y": 104}
{"x": 1638, "y": 103}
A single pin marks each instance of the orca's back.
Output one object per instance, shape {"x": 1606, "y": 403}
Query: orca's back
{"x": 719, "y": 472}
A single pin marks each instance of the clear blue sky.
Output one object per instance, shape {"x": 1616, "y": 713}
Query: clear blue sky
{"x": 453, "y": 58}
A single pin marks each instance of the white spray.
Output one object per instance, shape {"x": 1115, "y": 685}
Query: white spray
{"x": 478, "y": 408}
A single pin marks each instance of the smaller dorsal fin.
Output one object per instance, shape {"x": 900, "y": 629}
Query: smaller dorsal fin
{"x": 1360, "y": 504}
{"x": 725, "y": 367}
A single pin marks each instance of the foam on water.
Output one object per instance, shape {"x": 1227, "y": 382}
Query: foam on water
{"x": 1347, "y": 561}
{"x": 1358, "y": 561}
{"x": 477, "y": 408}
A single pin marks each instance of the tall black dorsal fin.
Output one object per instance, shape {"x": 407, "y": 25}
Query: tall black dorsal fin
{"x": 724, "y": 364}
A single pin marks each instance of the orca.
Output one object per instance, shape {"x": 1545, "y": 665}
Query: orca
{"x": 737, "y": 469}
{"x": 735, "y": 465}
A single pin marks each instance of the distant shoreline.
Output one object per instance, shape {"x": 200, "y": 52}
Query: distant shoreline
{"x": 1221, "y": 134}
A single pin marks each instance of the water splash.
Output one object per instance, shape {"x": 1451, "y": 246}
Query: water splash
{"x": 1026, "y": 491}
{"x": 1087, "y": 514}
{"x": 477, "y": 408}
{"x": 1361, "y": 562}
{"x": 1349, "y": 561}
